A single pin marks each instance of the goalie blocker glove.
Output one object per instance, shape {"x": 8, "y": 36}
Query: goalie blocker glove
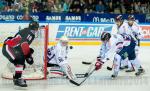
{"x": 98, "y": 64}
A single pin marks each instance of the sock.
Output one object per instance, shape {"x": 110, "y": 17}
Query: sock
{"x": 136, "y": 63}
{"x": 117, "y": 63}
{"x": 18, "y": 71}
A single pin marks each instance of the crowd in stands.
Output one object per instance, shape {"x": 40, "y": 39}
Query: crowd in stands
{"x": 77, "y": 6}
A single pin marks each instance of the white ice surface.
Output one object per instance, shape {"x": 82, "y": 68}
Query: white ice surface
{"x": 98, "y": 81}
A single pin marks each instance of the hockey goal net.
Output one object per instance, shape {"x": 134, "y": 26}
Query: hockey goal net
{"x": 38, "y": 69}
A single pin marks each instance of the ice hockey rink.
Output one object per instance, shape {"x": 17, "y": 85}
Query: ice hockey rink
{"x": 98, "y": 81}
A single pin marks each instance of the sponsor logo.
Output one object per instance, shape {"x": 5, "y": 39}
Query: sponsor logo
{"x": 82, "y": 32}
{"x": 146, "y": 32}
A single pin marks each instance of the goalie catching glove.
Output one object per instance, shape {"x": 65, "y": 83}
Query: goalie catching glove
{"x": 98, "y": 64}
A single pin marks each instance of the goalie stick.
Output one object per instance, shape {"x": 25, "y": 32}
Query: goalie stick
{"x": 86, "y": 76}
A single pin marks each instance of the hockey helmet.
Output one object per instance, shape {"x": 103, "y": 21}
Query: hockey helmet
{"x": 118, "y": 18}
{"x": 105, "y": 36}
{"x": 64, "y": 40}
{"x": 34, "y": 25}
{"x": 131, "y": 17}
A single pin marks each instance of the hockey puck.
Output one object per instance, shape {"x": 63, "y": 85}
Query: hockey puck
{"x": 88, "y": 63}
{"x": 71, "y": 47}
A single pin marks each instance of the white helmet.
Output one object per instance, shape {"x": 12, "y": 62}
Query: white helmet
{"x": 64, "y": 39}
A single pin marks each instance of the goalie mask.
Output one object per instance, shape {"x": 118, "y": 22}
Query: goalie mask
{"x": 64, "y": 41}
{"x": 105, "y": 36}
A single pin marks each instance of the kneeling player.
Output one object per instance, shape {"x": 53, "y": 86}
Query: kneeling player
{"x": 123, "y": 46}
{"x": 16, "y": 49}
{"x": 57, "y": 58}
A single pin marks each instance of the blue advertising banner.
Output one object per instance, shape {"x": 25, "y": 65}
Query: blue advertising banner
{"x": 83, "y": 31}
{"x": 68, "y": 17}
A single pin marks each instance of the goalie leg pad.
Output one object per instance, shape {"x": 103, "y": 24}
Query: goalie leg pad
{"x": 56, "y": 71}
{"x": 68, "y": 71}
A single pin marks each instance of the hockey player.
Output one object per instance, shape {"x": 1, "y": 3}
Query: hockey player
{"x": 17, "y": 50}
{"x": 123, "y": 46}
{"x": 135, "y": 30}
{"x": 121, "y": 27}
{"x": 57, "y": 58}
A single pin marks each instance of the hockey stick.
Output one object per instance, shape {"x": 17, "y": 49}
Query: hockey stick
{"x": 109, "y": 68}
{"x": 86, "y": 63}
{"x": 86, "y": 76}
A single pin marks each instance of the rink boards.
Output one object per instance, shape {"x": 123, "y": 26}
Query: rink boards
{"x": 78, "y": 33}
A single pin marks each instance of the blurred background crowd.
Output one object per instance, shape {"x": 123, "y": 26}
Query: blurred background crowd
{"x": 77, "y": 6}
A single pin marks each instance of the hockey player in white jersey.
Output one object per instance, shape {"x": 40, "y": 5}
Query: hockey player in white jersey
{"x": 121, "y": 27}
{"x": 57, "y": 59}
{"x": 123, "y": 47}
{"x": 135, "y": 31}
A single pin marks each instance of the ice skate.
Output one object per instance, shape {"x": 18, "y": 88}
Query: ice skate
{"x": 140, "y": 71}
{"x": 114, "y": 75}
{"x": 20, "y": 82}
{"x": 130, "y": 70}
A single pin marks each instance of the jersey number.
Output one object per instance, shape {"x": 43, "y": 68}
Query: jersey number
{"x": 29, "y": 37}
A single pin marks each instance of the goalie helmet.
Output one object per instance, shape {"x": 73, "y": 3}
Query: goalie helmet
{"x": 105, "y": 36}
{"x": 34, "y": 25}
{"x": 64, "y": 40}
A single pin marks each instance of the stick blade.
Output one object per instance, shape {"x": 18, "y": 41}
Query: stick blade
{"x": 88, "y": 63}
{"x": 75, "y": 83}
{"x": 109, "y": 68}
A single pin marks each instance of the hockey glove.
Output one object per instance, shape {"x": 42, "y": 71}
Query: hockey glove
{"x": 30, "y": 60}
{"x": 30, "y": 53}
{"x": 98, "y": 64}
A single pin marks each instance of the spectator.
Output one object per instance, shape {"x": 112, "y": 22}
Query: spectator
{"x": 117, "y": 7}
{"x": 100, "y": 8}
{"x": 58, "y": 6}
{"x": 34, "y": 7}
{"x": 66, "y": 6}
{"x": 16, "y": 7}
{"x": 1, "y": 5}
{"x": 27, "y": 17}
{"x": 110, "y": 7}
{"x": 75, "y": 7}
{"x": 89, "y": 6}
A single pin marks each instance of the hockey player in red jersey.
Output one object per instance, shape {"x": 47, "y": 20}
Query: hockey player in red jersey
{"x": 17, "y": 50}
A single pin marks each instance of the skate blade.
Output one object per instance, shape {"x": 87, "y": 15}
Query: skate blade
{"x": 140, "y": 74}
{"x": 20, "y": 88}
{"x": 113, "y": 78}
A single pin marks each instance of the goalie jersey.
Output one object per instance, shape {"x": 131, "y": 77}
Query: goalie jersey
{"x": 57, "y": 54}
